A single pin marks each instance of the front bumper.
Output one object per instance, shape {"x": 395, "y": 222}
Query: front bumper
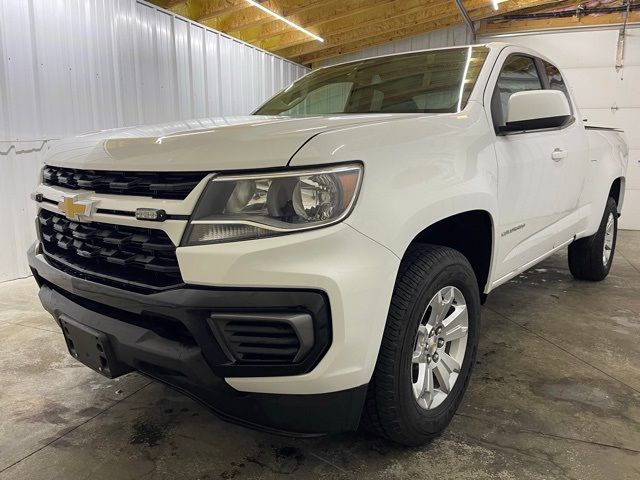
{"x": 139, "y": 340}
{"x": 355, "y": 273}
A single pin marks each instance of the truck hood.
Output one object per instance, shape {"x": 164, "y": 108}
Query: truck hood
{"x": 230, "y": 143}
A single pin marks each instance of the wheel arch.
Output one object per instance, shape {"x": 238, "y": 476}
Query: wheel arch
{"x": 617, "y": 192}
{"x": 455, "y": 231}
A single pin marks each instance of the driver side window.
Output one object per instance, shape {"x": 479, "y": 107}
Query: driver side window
{"x": 519, "y": 73}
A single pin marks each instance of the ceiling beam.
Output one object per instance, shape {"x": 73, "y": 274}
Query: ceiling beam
{"x": 216, "y": 8}
{"x": 350, "y": 25}
{"x": 314, "y": 17}
{"x": 378, "y": 39}
{"x": 247, "y": 15}
{"x": 513, "y": 5}
{"x": 252, "y": 25}
{"x": 510, "y": 26}
{"x": 179, "y": 7}
{"x": 295, "y": 12}
{"x": 384, "y": 31}
{"x": 167, "y": 4}
{"x": 293, "y": 45}
{"x": 346, "y": 29}
{"x": 414, "y": 20}
{"x": 559, "y": 4}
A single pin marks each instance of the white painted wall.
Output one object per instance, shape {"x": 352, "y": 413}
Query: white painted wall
{"x": 605, "y": 97}
{"x": 588, "y": 60}
{"x": 72, "y": 66}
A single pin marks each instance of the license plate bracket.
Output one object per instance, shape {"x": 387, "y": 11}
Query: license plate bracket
{"x": 91, "y": 347}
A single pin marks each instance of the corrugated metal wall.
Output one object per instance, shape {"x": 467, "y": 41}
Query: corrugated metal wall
{"x": 72, "y": 66}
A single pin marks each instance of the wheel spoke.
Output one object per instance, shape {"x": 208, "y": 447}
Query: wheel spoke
{"x": 437, "y": 308}
{"x": 610, "y": 225}
{"x": 449, "y": 362}
{"x": 418, "y": 386}
{"x": 417, "y": 356}
{"x": 442, "y": 374}
{"x": 441, "y": 304}
{"x": 422, "y": 332}
{"x": 456, "y": 325}
{"x": 609, "y": 234}
{"x": 427, "y": 385}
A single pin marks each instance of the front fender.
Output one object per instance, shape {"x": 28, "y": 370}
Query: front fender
{"x": 417, "y": 171}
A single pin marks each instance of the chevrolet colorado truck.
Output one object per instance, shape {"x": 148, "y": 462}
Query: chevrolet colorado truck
{"x": 322, "y": 263}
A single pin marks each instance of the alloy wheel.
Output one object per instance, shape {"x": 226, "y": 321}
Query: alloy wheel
{"x": 609, "y": 234}
{"x": 439, "y": 347}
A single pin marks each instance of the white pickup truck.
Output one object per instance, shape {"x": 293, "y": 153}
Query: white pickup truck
{"x": 322, "y": 263}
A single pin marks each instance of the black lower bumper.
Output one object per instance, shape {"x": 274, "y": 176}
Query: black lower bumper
{"x": 166, "y": 336}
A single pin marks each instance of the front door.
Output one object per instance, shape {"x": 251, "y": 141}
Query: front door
{"x": 535, "y": 195}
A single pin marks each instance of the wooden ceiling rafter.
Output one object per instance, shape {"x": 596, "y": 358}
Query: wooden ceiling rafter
{"x": 513, "y": 26}
{"x": 248, "y": 16}
{"x": 580, "y": 14}
{"x": 238, "y": 23}
{"x": 444, "y": 16}
{"x": 371, "y": 41}
{"x": 351, "y": 25}
{"x": 313, "y": 18}
{"x": 551, "y": 6}
{"x": 333, "y": 30}
{"x": 201, "y": 9}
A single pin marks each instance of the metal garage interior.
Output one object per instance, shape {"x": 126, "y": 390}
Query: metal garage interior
{"x": 556, "y": 389}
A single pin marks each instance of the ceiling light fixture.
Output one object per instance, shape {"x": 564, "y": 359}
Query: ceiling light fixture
{"x": 288, "y": 22}
{"x": 495, "y": 4}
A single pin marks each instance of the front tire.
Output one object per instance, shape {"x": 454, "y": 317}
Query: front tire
{"x": 590, "y": 258}
{"x": 428, "y": 348}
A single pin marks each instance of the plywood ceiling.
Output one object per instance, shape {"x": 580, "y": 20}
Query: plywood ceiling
{"x": 351, "y": 25}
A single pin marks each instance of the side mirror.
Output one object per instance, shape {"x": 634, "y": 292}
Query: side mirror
{"x": 537, "y": 109}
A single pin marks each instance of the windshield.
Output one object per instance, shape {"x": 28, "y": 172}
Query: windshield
{"x": 437, "y": 81}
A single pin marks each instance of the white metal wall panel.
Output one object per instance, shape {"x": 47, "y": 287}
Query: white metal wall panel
{"x": 212, "y": 72}
{"x": 198, "y": 78}
{"x": 72, "y": 66}
{"x": 19, "y": 166}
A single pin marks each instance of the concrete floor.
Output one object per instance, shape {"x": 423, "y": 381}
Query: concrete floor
{"x": 555, "y": 394}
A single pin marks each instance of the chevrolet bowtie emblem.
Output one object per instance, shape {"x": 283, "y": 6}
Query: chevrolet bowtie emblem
{"x": 74, "y": 208}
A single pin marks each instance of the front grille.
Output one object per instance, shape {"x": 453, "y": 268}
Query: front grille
{"x": 149, "y": 184}
{"x": 143, "y": 259}
{"x": 261, "y": 342}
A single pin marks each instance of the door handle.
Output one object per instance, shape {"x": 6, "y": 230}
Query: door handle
{"x": 558, "y": 154}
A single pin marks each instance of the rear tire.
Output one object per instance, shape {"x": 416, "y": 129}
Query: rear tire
{"x": 431, "y": 333}
{"x": 590, "y": 258}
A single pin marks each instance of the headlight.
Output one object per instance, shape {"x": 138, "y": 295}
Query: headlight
{"x": 242, "y": 207}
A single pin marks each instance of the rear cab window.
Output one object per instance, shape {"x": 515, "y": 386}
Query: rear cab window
{"x": 556, "y": 82}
